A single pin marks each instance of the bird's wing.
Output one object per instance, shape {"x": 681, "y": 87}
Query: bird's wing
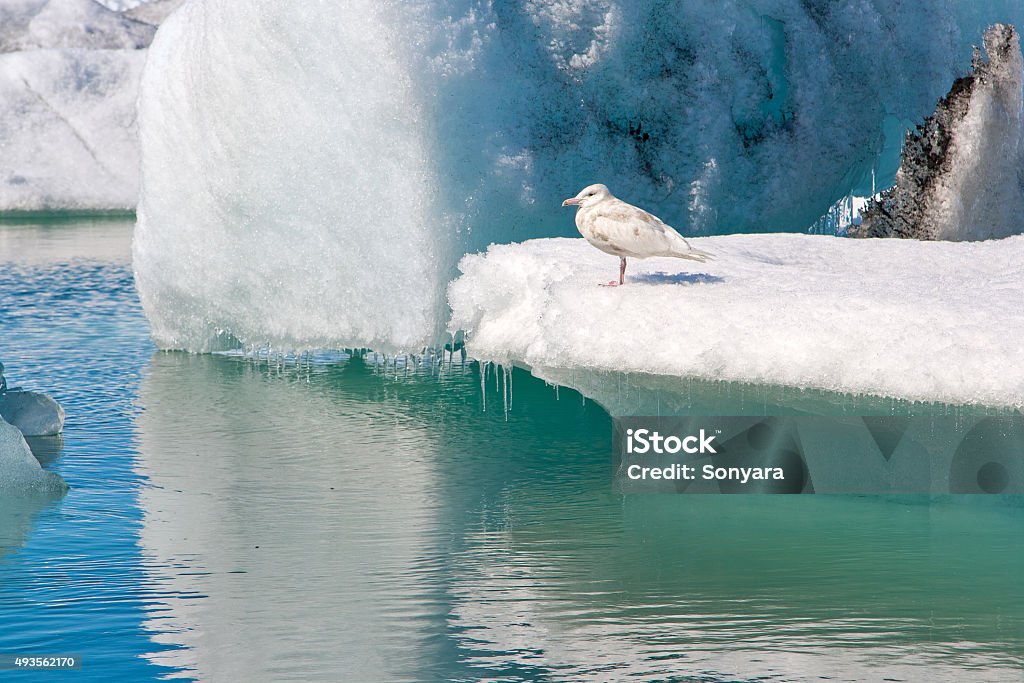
{"x": 634, "y": 231}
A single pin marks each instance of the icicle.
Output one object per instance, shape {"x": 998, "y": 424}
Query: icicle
{"x": 504, "y": 390}
{"x": 483, "y": 385}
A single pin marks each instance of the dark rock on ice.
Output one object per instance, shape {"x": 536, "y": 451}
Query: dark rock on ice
{"x": 959, "y": 176}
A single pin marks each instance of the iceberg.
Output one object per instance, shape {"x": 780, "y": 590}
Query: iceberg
{"x": 69, "y": 77}
{"x": 804, "y": 311}
{"x": 71, "y": 146}
{"x": 313, "y": 180}
{"x": 152, "y": 12}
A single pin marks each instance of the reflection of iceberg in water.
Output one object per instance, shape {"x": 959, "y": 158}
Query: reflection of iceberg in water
{"x": 785, "y": 597}
{"x": 844, "y": 443}
{"x": 17, "y": 516}
{"x": 272, "y": 517}
{"x": 457, "y": 546}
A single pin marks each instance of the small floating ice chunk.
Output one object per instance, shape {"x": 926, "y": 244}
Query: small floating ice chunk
{"x": 33, "y": 413}
{"x": 931, "y": 321}
{"x": 19, "y": 469}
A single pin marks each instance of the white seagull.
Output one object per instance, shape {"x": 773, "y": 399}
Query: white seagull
{"x": 622, "y": 230}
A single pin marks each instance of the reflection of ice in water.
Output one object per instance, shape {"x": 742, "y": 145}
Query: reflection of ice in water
{"x": 662, "y": 601}
{"x": 41, "y": 243}
{"x": 455, "y": 545}
{"x": 264, "y": 582}
{"x": 17, "y": 515}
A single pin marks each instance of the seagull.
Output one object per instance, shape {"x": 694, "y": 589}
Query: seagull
{"x": 622, "y": 230}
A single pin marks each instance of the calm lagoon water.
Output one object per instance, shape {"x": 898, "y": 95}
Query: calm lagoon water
{"x": 340, "y": 518}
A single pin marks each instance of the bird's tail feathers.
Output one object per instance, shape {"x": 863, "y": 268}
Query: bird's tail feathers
{"x": 694, "y": 255}
{"x": 685, "y": 251}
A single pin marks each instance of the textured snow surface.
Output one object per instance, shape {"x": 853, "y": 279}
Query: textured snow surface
{"x": 927, "y": 321}
{"x": 313, "y": 179}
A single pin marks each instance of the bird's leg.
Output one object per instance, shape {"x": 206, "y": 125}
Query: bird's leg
{"x": 622, "y": 274}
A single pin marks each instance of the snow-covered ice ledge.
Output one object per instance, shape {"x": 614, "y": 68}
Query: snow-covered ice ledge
{"x": 923, "y": 321}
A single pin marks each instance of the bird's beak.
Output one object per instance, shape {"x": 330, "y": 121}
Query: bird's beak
{"x": 571, "y": 201}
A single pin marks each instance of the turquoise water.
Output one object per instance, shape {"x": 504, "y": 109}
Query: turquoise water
{"x": 339, "y": 517}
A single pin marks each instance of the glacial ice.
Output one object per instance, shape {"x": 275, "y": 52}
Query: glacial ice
{"x": 20, "y": 472}
{"x": 152, "y": 12}
{"x": 82, "y": 24}
{"x": 929, "y": 321}
{"x": 313, "y": 179}
{"x": 71, "y": 145}
{"x": 69, "y": 75}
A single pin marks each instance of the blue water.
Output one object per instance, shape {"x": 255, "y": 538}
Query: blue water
{"x": 75, "y": 584}
{"x": 337, "y": 517}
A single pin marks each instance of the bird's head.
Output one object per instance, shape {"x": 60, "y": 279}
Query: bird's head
{"x": 588, "y": 196}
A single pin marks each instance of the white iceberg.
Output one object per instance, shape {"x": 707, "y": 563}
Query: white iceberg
{"x": 313, "y": 179}
{"x": 924, "y": 321}
{"x": 69, "y": 79}
{"x": 68, "y": 131}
